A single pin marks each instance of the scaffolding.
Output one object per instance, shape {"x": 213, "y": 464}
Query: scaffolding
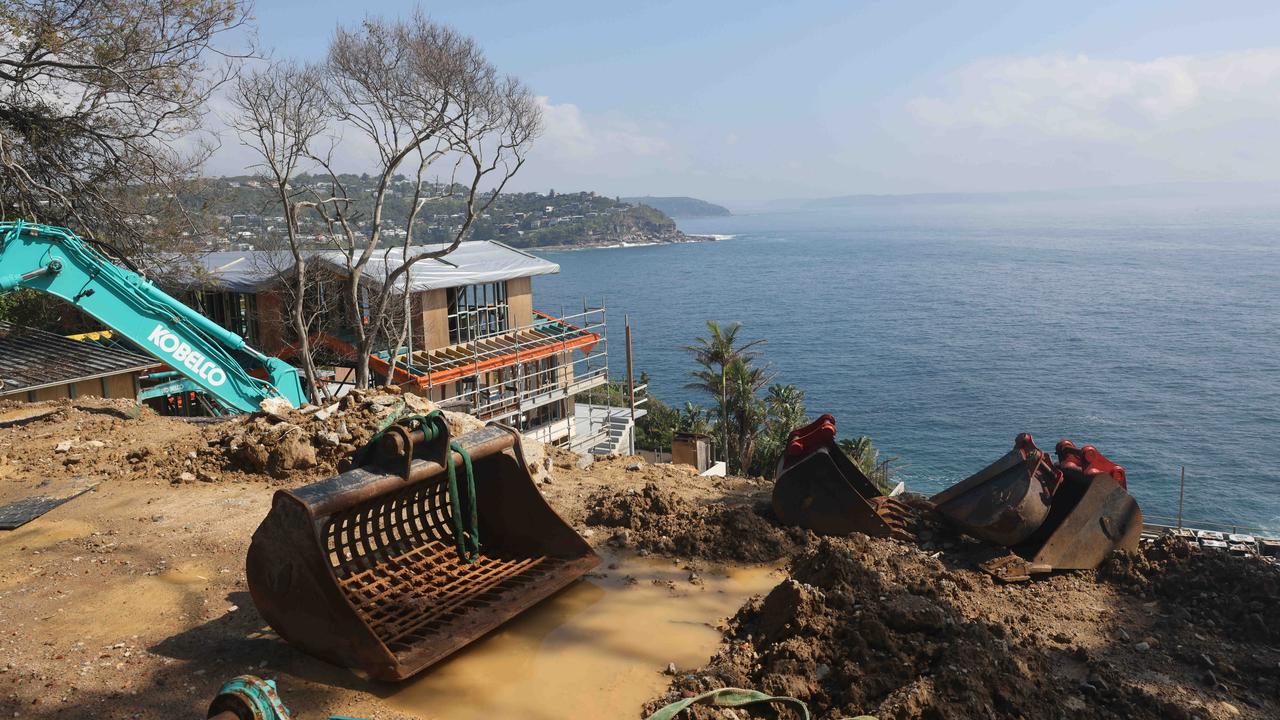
{"x": 523, "y": 376}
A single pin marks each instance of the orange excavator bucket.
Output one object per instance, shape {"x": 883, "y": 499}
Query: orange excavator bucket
{"x": 819, "y": 488}
{"x": 1065, "y": 516}
{"x": 391, "y": 567}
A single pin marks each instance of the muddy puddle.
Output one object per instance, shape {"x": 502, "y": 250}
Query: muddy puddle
{"x": 596, "y": 650}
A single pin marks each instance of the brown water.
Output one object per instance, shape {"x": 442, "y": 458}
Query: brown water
{"x": 597, "y": 650}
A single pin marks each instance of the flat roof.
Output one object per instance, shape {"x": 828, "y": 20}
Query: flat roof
{"x": 473, "y": 262}
{"x": 32, "y": 359}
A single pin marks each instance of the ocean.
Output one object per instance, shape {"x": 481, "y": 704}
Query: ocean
{"x": 1149, "y": 328}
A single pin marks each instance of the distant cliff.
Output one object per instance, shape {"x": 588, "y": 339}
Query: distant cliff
{"x": 680, "y": 207}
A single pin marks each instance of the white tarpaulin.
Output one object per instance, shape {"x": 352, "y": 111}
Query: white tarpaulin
{"x": 479, "y": 261}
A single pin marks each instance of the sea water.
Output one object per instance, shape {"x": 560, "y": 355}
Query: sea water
{"x": 1148, "y": 328}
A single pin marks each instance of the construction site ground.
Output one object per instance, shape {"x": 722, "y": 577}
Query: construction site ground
{"x": 129, "y": 601}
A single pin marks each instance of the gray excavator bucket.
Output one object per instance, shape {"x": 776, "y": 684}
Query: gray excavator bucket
{"x": 367, "y": 570}
{"x": 1092, "y": 516}
{"x": 1005, "y": 502}
{"x": 824, "y": 491}
{"x": 1065, "y": 516}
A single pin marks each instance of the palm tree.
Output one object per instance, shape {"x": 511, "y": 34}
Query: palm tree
{"x": 862, "y": 451}
{"x": 714, "y": 354}
{"x": 785, "y": 411}
{"x": 693, "y": 419}
{"x": 747, "y": 412}
{"x": 786, "y": 407}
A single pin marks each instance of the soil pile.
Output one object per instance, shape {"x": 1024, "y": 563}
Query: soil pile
{"x": 281, "y": 439}
{"x": 659, "y": 521}
{"x": 878, "y": 627}
{"x": 117, "y": 439}
{"x": 1237, "y": 596}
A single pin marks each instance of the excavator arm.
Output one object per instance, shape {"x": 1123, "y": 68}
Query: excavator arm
{"x": 56, "y": 261}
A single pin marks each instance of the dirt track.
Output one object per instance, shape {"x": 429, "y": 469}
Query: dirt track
{"x": 129, "y": 601}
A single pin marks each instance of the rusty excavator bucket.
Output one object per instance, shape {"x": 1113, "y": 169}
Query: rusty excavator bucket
{"x": 819, "y": 488}
{"x": 1005, "y": 502}
{"x": 1068, "y": 516}
{"x": 390, "y": 567}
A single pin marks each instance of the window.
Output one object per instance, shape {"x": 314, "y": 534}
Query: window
{"x": 237, "y": 312}
{"x": 477, "y": 311}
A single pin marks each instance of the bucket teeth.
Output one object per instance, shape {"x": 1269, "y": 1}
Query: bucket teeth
{"x": 1009, "y": 568}
{"x": 896, "y": 515}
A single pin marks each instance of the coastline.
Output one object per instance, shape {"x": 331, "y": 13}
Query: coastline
{"x": 688, "y": 239}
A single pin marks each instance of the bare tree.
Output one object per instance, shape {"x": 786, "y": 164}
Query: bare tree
{"x": 424, "y": 96}
{"x": 281, "y": 114}
{"x": 94, "y": 99}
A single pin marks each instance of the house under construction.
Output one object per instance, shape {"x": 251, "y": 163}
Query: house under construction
{"x": 476, "y": 343}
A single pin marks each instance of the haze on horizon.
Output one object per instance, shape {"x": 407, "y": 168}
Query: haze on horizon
{"x": 745, "y": 102}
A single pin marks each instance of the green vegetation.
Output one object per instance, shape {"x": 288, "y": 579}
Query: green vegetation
{"x": 245, "y": 213}
{"x": 681, "y": 207}
{"x": 751, "y": 416}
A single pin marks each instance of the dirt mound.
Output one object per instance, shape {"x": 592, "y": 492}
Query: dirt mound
{"x": 118, "y": 438}
{"x": 878, "y": 627}
{"x": 1211, "y": 589}
{"x": 659, "y": 521}
{"x": 283, "y": 440}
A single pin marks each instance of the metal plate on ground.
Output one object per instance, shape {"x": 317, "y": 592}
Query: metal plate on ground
{"x": 16, "y": 514}
{"x": 22, "y": 416}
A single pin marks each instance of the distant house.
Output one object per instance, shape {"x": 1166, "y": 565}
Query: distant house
{"x": 37, "y": 365}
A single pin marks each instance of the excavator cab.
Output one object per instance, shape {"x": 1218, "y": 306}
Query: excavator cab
{"x": 819, "y": 488}
{"x": 390, "y": 567}
{"x": 1065, "y": 516}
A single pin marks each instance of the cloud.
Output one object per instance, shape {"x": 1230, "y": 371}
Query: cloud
{"x": 566, "y": 132}
{"x": 609, "y": 152}
{"x": 1105, "y": 100}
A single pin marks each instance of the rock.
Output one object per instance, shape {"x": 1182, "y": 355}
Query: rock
{"x": 64, "y": 446}
{"x": 204, "y": 476}
{"x": 418, "y": 404}
{"x": 276, "y": 408}
{"x": 324, "y": 414}
{"x": 633, "y": 467}
{"x": 187, "y": 477}
{"x": 1142, "y": 646}
{"x": 585, "y": 461}
{"x": 671, "y": 669}
{"x": 292, "y": 453}
{"x": 384, "y": 399}
{"x": 461, "y": 423}
{"x": 94, "y": 444}
{"x": 327, "y": 439}
{"x": 1228, "y": 709}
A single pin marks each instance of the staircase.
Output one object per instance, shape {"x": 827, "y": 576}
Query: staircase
{"x": 617, "y": 442}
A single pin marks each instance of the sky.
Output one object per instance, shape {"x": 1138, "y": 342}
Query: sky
{"x": 745, "y": 102}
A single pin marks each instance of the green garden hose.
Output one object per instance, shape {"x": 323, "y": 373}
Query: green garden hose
{"x": 736, "y": 697}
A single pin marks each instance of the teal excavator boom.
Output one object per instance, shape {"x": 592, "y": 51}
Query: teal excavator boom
{"x": 56, "y": 261}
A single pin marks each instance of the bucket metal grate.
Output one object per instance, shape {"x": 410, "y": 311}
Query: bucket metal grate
{"x": 364, "y": 569}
